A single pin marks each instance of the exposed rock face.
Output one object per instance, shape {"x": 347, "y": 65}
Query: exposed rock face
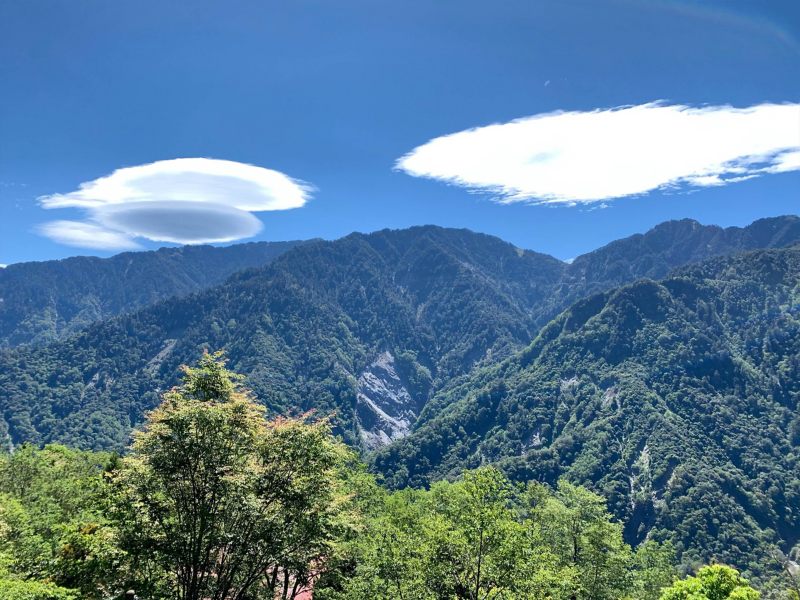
{"x": 611, "y": 395}
{"x": 533, "y": 440}
{"x": 385, "y": 410}
{"x": 568, "y": 383}
{"x": 155, "y": 362}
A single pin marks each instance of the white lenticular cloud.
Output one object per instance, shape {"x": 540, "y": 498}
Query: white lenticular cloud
{"x": 190, "y": 179}
{"x": 179, "y": 222}
{"x": 185, "y": 201}
{"x": 581, "y": 157}
{"x": 86, "y": 235}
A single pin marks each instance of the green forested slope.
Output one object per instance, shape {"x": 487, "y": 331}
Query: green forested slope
{"x": 307, "y": 327}
{"x": 42, "y": 302}
{"x": 678, "y": 400}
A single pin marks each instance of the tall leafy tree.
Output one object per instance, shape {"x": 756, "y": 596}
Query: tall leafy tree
{"x": 653, "y": 569}
{"x": 480, "y": 549}
{"x": 215, "y": 502}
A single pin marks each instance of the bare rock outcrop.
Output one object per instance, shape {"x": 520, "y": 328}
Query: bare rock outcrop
{"x": 385, "y": 409}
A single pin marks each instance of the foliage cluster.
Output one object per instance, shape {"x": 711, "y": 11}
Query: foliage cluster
{"x": 52, "y": 538}
{"x": 482, "y": 537}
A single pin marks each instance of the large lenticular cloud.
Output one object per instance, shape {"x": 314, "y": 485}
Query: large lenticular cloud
{"x": 186, "y": 201}
{"x": 580, "y": 157}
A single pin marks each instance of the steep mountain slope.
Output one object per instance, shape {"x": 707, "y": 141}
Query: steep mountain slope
{"x": 41, "y": 302}
{"x": 678, "y": 400}
{"x": 368, "y": 327}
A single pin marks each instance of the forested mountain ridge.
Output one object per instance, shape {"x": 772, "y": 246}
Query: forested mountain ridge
{"x": 305, "y": 328}
{"x": 653, "y": 254}
{"x": 48, "y": 301}
{"x": 368, "y": 327}
{"x": 678, "y": 400}
{"x": 42, "y": 302}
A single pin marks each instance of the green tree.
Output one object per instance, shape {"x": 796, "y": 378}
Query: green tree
{"x": 11, "y": 589}
{"x": 216, "y": 502}
{"x": 461, "y": 541}
{"x": 653, "y": 569}
{"x": 714, "y": 582}
{"x": 52, "y": 525}
{"x": 579, "y": 529}
{"x": 476, "y": 542}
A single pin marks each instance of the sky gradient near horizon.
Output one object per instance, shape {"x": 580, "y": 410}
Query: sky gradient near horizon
{"x": 325, "y": 118}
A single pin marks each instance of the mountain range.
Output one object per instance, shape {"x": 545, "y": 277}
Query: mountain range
{"x": 677, "y": 399}
{"x": 42, "y": 302}
{"x": 661, "y": 369}
{"x": 312, "y": 328}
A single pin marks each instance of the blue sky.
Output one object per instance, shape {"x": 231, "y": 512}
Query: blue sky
{"x": 334, "y": 93}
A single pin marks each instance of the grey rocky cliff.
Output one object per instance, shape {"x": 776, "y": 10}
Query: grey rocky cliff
{"x": 384, "y": 408}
